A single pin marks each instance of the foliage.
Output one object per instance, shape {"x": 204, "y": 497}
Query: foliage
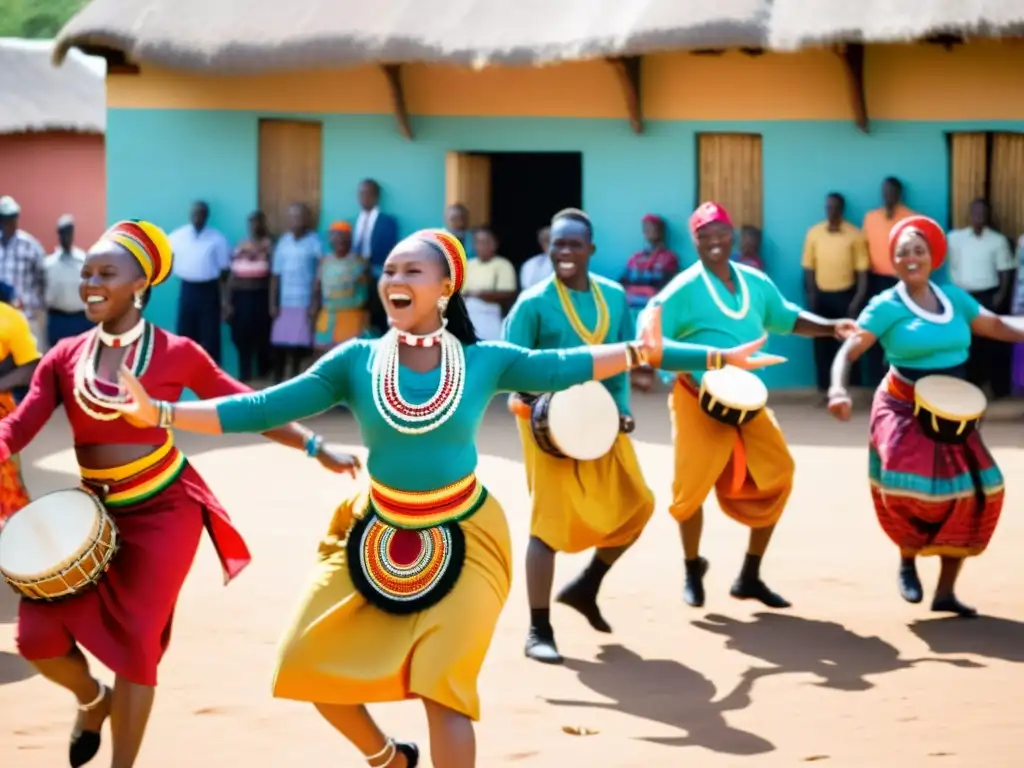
{"x": 38, "y": 19}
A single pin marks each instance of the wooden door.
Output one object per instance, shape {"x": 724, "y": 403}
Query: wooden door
{"x": 968, "y": 172}
{"x": 291, "y": 168}
{"x": 730, "y": 173}
{"x": 468, "y": 181}
{"x": 1006, "y": 183}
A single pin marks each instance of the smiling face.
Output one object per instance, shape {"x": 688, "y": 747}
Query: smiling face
{"x": 415, "y": 277}
{"x": 714, "y": 242}
{"x": 110, "y": 279}
{"x": 571, "y": 248}
{"x": 913, "y": 259}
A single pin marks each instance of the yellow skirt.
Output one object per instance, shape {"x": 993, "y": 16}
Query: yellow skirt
{"x": 750, "y": 468}
{"x": 341, "y": 649}
{"x": 578, "y": 505}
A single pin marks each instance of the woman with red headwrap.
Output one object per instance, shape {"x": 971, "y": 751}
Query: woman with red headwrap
{"x": 159, "y": 502}
{"x": 931, "y": 497}
{"x": 721, "y": 303}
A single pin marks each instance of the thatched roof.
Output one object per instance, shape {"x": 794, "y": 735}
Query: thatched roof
{"x": 235, "y": 36}
{"x": 37, "y": 97}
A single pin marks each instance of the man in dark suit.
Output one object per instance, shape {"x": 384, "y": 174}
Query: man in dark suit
{"x": 376, "y": 233}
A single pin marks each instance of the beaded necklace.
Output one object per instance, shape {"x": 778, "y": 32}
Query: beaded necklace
{"x": 90, "y": 391}
{"x": 402, "y": 415}
{"x": 600, "y": 331}
{"x": 735, "y": 314}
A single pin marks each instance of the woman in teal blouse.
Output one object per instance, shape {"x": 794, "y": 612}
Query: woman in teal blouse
{"x": 415, "y": 569}
{"x": 931, "y": 498}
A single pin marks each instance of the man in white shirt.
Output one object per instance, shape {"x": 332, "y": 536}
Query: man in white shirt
{"x": 376, "y": 233}
{"x": 65, "y": 312}
{"x": 202, "y": 258}
{"x": 22, "y": 267}
{"x": 982, "y": 263}
{"x": 538, "y": 267}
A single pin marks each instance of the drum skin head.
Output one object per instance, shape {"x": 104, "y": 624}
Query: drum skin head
{"x": 584, "y": 421}
{"x": 736, "y": 388}
{"x": 950, "y": 397}
{"x": 48, "y": 533}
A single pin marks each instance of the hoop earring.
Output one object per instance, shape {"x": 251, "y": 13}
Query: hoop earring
{"x": 442, "y": 304}
{"x": 138, "y": 301}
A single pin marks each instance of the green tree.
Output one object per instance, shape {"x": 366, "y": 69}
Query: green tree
{"x": 37, "y": 19}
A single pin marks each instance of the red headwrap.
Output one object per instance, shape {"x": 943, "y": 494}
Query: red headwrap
{"x": 653, "y": 218}
{"x": 708, "y": 213}
{"x": 928, "y": 229}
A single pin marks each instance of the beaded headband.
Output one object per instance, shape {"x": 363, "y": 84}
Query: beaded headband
{"x": 452, "y": 250}
{"x": 147, "y": 243}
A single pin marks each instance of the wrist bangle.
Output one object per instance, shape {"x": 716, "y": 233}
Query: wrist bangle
{"x": 164, "y": 414}
{"x": 313, "y": 445}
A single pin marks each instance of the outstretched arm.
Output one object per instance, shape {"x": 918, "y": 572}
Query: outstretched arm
{"x": 998, "y": 327}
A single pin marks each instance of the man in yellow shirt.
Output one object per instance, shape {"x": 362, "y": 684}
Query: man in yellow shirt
{"x": 877, "y": 225}
{"x": 835, "y": 263}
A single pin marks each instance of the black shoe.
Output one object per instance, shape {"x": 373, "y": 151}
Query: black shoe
{"x": 540, "y": 646}
{"x": 581, "y": 598}
{"x": 910, "y": 583}
{"x": 84, "y": 748}
{"x": 410, "y": 751}
{"x": 755, "y": 589}
{"x": 693, "y": 586}
{"x": 949, "y": 604}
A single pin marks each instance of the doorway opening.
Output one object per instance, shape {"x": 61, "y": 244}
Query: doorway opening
{"x": 515, "y": 193}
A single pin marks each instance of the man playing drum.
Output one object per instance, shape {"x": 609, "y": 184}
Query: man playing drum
{"x": 602, "y": 503}
{"x": 719, "y": 302}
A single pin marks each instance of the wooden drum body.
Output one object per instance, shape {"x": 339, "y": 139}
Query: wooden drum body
{"x": 58, "y": 546}
{"x": 732, "y": 396}
{"x": 580, "y": 423}
{"x": 947, "y": 408}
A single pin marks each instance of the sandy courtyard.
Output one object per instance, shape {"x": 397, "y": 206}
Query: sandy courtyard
{"x": 850, "y": 676}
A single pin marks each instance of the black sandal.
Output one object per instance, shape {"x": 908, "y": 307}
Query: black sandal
{"x": 86, "y": 744}
{"x": 410, "y": 751}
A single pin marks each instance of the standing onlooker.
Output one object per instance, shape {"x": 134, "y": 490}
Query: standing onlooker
{"x": 651, "y": 269}
{"x": 341, "y": 292}
{"x": 876, "y": 227}
{"x": 1018, "y": 309}
{"x": 293, "y": 274}
{"x": 65, "y": 311}
{"x": 23, "y": 267}
{"x": 376, "y": 234}
{"x": 835, "y": 263}
{"x": 750, "y": 247}
{"x": 489, "y": 287}
{"x": 539, "y": 267}
{"x": 982, "y": 263}
{"x": 202, "y": 258}
{"x": 247, "y": 299}
{"x": 456, "y": 221}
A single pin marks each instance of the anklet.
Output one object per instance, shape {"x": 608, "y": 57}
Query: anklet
{"x": 387, "y": 754}
{"x": 96, "y": 702}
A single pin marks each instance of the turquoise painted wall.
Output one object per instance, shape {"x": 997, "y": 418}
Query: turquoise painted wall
{"x": 159, "y": 161}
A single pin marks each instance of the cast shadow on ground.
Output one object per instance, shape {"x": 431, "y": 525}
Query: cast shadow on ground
{"x": 14, "y": 669}
{"x": 664, "y": 691}
{"x": 986, "y": 636}
{"x": 843, "y": 660}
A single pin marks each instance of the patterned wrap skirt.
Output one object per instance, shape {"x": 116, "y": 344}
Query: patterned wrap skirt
{"x": 931, "y": 498}
{"x": 404, "y": 599}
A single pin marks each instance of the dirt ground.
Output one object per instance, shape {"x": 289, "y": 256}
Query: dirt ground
{"x": 850, "y": 676}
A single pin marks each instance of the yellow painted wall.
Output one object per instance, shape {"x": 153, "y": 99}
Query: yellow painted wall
{"x": 980, "y": 81}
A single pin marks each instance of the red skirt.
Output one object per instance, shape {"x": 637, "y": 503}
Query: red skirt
{"x": 125, "y": 620}
{"x": 930, "y": 498}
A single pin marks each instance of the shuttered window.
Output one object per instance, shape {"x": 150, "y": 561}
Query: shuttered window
{"x": 291, "y": 169}
{"x": 988, "y": 165}
{"x": 730, "y": 172}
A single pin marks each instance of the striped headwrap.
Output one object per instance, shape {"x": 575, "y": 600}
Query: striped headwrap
{"x": 454, "y": 253}
{"x": 147, "y": 243}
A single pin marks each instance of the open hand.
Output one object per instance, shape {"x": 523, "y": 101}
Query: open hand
{"x": 139, "y": 406}
{"x": 840, "y": 405}
{"x": 844, "y": 329}
{"x": 745, "y": 356}
{"x": 336, "y": 460}
{"x": 651, "y": 336}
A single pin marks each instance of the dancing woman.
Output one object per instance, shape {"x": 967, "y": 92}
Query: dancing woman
{"x": 160, "y": 503}
{"x": 416, "y": 566}
{"x": 931, "y": 498}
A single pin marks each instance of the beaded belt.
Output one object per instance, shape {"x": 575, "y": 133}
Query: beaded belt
{"x": 423, "y": 509}
{"x": 138, "y": 480}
